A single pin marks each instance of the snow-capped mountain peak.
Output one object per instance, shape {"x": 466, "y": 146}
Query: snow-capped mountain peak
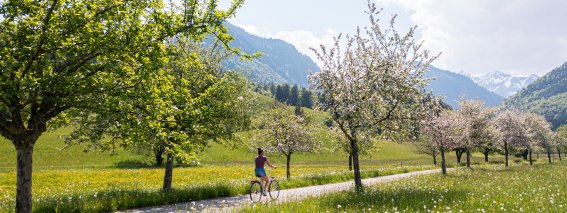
{"x": 502, "y": 83}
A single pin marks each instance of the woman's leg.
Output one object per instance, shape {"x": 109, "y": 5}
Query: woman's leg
{"x": 266, "y": 180}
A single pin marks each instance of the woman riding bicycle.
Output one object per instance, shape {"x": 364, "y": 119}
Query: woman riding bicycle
{"x": 260, "y": 171}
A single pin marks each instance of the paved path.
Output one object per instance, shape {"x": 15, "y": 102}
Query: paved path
{"x": 232, "y": 204}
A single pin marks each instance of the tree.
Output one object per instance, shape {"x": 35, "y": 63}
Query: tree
{"x": 200, "y": 102}
{"x": 443, "y": 132}
{"x": 561, "y": 133}
{"x": 488, "y": 146}
{"x": 512, "y": 131}
{"x": 459, "y": 151}
{"x": 427, "y": 147}
{"x": 279, "y": 93}
{"x": 476, "y": 124}
{"x": 286, "y": 133}
{"x": 80, "y": 55}
{"x": 366, "y": 145}
{"x": 306, "y": 99}
{"x": 373, "y": 84}
{"x": 294, "y": 96}
{"x": 285, "y": 94}
{"x": 538, "y": 134}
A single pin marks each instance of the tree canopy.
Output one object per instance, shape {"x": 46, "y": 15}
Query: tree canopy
{"x": 374, "y": 83}
{"x": 57, "y": 56}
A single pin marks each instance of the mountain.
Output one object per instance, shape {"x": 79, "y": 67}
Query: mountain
{"x": 281, "y": 62}
{"x": 546, "y": 96}
{"x": 452, "y": 86}
{"x": 503, "y": 84}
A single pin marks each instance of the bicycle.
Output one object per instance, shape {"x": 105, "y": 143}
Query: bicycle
{"x": 256, "y": 189}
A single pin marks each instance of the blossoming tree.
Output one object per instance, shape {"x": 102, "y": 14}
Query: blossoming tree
{"x": 373, "y": 84}
{"x": 444, "y": 132}
{"x": 476, "y": 123}
{"x": 539, "y": 134}
{"x": 561, "y": 139}
{"x": 287, "y": 133}
{"x": 512, "y": 131}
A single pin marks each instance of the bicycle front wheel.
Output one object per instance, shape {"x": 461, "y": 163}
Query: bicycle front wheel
{"x": 255, "y": 191}
{"x": 274, "y": 189}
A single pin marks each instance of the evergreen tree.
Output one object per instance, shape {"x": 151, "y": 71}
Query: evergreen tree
{"x": 306, "y": 99}
{"x": 294, "y": 96}
{"x": 279, "y": 93}
{"x": 285, "y": 93}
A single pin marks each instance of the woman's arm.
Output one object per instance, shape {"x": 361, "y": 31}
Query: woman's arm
{"x": 269, "y": 164}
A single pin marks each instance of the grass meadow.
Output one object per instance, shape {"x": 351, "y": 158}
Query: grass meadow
{"x": 71, "y": 180}
{"x": 68, "y": 179}
{"x": 487, "y": 188}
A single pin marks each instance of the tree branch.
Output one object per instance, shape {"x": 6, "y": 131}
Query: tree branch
{"x": 39, "y": 48}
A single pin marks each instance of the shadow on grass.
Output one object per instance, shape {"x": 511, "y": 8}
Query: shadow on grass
{"x": 403, "y": 199}
{"x": 133, "y": 164}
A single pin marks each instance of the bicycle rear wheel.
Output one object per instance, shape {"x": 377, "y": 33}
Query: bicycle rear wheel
{"x": 255, "y": 191}
{"x": 274, "y": 189}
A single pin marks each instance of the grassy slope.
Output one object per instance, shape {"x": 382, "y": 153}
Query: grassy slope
{"x": 49, "y": 154}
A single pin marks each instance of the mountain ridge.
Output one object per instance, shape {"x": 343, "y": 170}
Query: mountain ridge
{"x": 281, "y": 62}
{"x": 502, "y": 83}
{"x": 453, "y": 86}
{"x": 546, "y": 96}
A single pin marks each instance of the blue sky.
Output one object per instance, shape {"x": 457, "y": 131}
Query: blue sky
{"x": 519, "y": 37}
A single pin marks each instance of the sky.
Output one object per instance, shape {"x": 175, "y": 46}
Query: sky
{"x": 519, "y": 37}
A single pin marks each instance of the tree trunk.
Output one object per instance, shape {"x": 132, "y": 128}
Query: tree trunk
{"x": 350, "y": 162}
{"x": 559, "y": 153}
{"x": 506, "y": 152}
{"x": 459, "y": 154}
{"x": 24, "y": 177}
{"x": 486, "y": 152}
{"x": 468, "y": 158}
{"x": 287, "y": 168}
{"x": 357, "y": 179}
{"x": 158, "y": 153}
{"x": 531, "y": 161}
{"x": 443, "y": 162}
{"x": 549, "y": 156}
{"x": 167, "y": 179}
{"x": 525, "y": 154}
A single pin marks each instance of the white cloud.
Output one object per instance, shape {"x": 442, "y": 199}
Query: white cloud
{"x": 477, "y": 36}
{"x": 252, "y": 29}
{"x": 303, "y": 40}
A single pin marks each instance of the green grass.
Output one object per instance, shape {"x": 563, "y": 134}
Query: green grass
{"x": 489, "y": 188}
{"x": 73, "y": 180}
{"x": 50, "y": 153}
{"x": 103, "y": 190}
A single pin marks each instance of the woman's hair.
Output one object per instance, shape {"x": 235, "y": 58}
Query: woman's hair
{"x": 260, "y": 151}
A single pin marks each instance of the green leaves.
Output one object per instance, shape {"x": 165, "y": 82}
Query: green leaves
{"x": 95, "y": 56}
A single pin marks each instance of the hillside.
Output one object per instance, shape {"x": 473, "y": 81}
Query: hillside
{"x": 281, "y": 62}
{"x": 546, "y": 96}
{"x": 50, "y": 153}
{"x": 503, "y": 84}
{"x": 453, "y": 86}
